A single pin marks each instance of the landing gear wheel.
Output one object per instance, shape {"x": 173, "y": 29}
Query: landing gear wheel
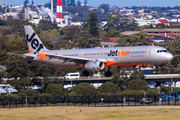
{"x": 108, "y": 74}
{"x": 85, "y": 73}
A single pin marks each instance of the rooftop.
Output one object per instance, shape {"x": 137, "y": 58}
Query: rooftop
{"x": 129, "y": 32}
{"x": 162, "y": 30}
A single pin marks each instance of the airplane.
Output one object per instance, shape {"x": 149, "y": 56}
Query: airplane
{"x": 94, "y": 59}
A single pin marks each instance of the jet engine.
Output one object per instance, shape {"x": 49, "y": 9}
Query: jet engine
{"x": 94, "y": 65}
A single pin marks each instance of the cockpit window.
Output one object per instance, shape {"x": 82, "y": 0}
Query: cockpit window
{"x": 160, "y": 51}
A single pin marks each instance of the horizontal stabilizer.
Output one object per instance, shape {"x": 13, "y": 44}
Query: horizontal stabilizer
{"x": 27, "y": 55}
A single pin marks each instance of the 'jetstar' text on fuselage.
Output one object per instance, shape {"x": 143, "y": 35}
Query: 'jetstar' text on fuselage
{"x": 119, "y": 53}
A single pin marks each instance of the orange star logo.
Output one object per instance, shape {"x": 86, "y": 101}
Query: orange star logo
{"x": 30, "y": 51}
{"x": 43, "y": 56}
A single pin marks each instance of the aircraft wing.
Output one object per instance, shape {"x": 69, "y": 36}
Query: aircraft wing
{"x": 70, "y": 58}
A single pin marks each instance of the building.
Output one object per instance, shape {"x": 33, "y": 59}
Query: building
{"x": 161, "y": 39}
{"x": 142, "y": 21}
{"x": 163, "y": 21}
{"x": 167, "y": 32}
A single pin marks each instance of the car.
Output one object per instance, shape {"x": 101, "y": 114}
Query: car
{"x": 72, "y": 76}
{"x": 145, "y": 101}
{"x": 69, "y": 89}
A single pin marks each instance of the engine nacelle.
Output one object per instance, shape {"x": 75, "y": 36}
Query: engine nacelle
{"x": 94, "y": 65}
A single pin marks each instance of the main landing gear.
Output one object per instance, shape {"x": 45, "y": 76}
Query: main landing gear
{"x": 108, "y": 73}
{"x": 85, "y": 73}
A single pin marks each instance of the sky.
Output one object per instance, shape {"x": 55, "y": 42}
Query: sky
{"x": 119, "y": 3}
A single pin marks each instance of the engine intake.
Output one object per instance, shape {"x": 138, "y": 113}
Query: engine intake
{"x": 94, "y": 65}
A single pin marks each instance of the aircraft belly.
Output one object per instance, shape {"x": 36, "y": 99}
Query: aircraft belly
{"x": 57, "y": 62}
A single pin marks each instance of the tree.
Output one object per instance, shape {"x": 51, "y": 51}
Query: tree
{"x": 2, "y": 22}
{"x": 116, "y": 79}
{"x": 32, "y": 2}
{"x": 93, "y": 20}
{"x": 84, "y": 89}
{"x": 138, "y": 84}
{"x": 109, "y": 87}
{"x": 21, "y": 16}
{"x": 137, "y": 39}
{"x": 85, "y": 2}
{"x": 25, "y": 3}
{"x": 68, "y": 3}
{"x": 112, "y": 33}
{"x": 72, "y": 32}
{"x": 2, "y": 74}
{"x": 46, "y": 25}
{"x": 87, "y": 42}
{"x": 64, "y": 2}
{"x": 29, "y": 92}
{"x": 72, "y": 2}
{"x": 160, "y": 25}
{"x": 79, "y": 3}
{"x": 56, "y": 90}
{"x": 120, "y": 24}
{"x": 105, "y": 7}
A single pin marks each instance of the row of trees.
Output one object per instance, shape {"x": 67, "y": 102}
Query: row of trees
{"x": 135, "y": 85}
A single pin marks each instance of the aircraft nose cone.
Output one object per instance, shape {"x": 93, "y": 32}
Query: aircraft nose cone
{"x": 169, "y": 57}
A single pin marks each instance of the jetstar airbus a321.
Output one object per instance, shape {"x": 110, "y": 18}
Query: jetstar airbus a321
{"x": 94, "y": 59}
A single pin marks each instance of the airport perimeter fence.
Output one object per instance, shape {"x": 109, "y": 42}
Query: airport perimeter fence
{"x": 90, "y": 101}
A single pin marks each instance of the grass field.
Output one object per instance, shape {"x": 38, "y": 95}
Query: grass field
{"x": 92, "y": 113}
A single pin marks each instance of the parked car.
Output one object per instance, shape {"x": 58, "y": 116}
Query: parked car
{"x": 167, "y": 97}
{"x": 145, "y": 101}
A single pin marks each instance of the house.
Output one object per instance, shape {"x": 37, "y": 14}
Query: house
{"x": 110, "y": 39}
{"x": 109, "y": 42}
{"x": 142, "y": 21}
{"x": 162, "y": 20}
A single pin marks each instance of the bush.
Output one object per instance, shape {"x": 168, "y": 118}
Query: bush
{"x": 109, "y": 88}
{"x": 138, "y": 84}
{"x": 9, "y": 98}
{"x": 43, "y": 98}
{"x": 32, "y": 95}
{"x": 56, "y": 90}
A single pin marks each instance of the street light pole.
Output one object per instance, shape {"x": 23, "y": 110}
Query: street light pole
{"x": 144, "y": 93}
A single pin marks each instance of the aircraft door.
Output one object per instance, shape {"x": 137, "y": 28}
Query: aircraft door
{"x": 149, "y": 52}
{"x": 82, "y": 54}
